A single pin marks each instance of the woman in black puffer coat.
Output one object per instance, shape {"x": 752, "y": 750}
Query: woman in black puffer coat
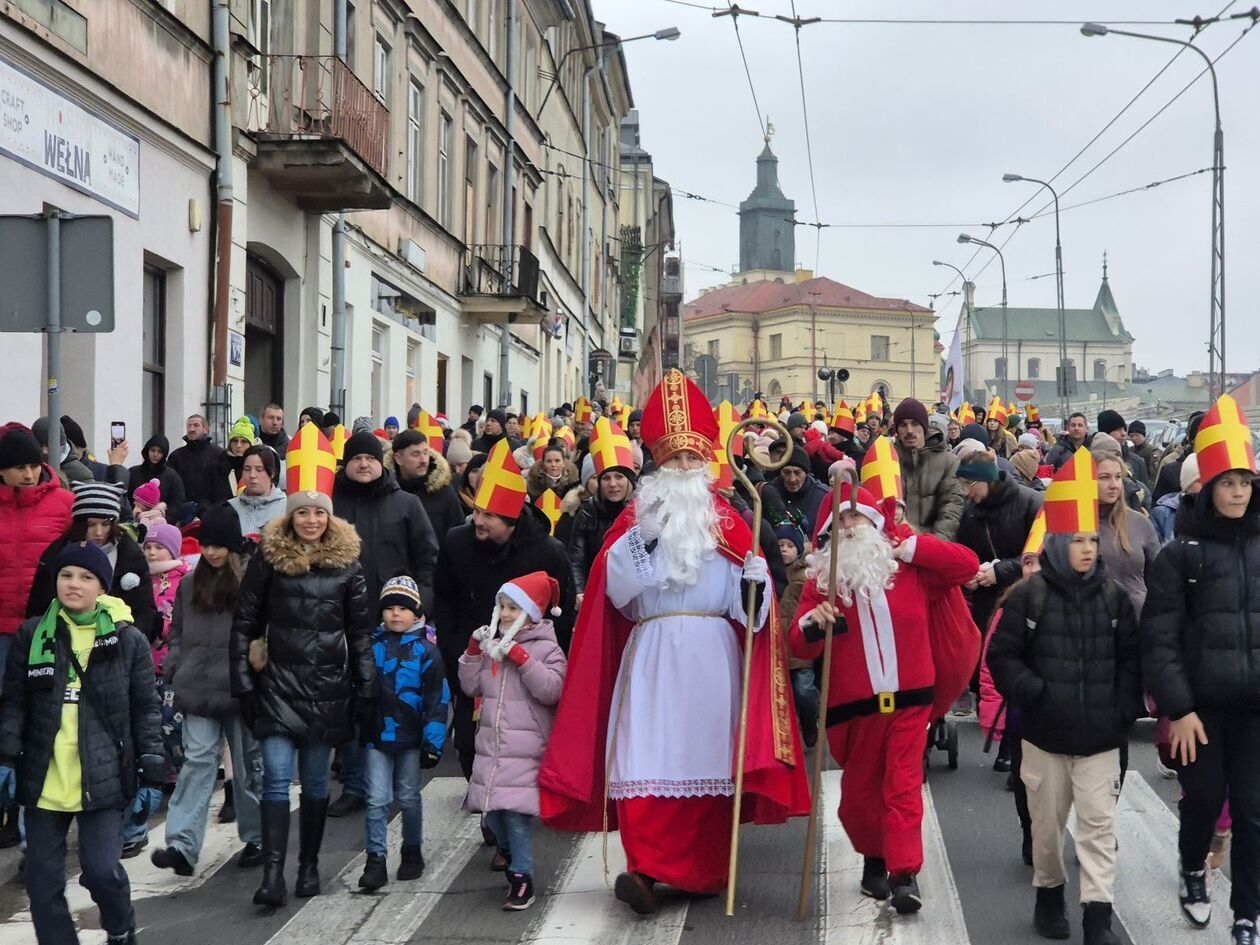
{"x": 304, "y": 593}
{"x": 1201, "y": 661}
{"x": 593, "y": 519}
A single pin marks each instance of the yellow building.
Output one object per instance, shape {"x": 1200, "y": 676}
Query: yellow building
{"x": 771, "y": 331}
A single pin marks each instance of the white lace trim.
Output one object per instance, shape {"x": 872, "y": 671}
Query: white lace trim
{"x": 697, "y": 787}
{"x": 639, "y": 556}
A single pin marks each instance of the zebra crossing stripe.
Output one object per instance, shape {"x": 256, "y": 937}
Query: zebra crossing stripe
{"x": 342, "y": 914}
{"x": 581, "y": 907}
{"x": 849, "y": 918}
{"x": 1146, "y": 869}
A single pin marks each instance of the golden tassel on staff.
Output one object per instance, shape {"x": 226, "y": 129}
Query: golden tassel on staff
{"x": 750, "y": 628}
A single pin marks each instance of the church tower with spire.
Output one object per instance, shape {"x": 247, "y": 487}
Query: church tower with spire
{"x": 767, "y": 237}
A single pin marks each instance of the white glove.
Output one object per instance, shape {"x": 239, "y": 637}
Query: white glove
{"x": 756, "y": 569}
{"x": 482, "y": 634}
{"x": 647, "y": 533}
{"x": 499, "y": 648}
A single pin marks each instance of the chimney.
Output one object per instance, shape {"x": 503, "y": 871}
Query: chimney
{"x": 1194, "y": 380}
{"x": 969, "y": 294}
{"x": 804, "y": 275}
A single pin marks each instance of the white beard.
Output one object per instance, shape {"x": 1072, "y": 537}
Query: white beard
{"x": 678, "y": 505}
{"x": 866, "y": 564}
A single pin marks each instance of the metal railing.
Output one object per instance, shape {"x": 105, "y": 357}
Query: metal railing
{"x": 498, "y": 269}
{"x": 318, "y": 97}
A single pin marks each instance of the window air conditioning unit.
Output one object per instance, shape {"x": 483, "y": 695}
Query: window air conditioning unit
{"x": 629, "y": 346}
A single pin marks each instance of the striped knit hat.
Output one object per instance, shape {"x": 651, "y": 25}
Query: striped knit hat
{"x": 97, "y": 499}
{"x": 402, "y": 591}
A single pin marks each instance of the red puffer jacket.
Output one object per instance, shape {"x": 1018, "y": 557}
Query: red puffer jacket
{"x": 31, "y": 519}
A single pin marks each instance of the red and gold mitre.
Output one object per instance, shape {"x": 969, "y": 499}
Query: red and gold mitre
{"x": 678, "y": 418}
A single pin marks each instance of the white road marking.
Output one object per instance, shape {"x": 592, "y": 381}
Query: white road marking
{"x": 849, "y": 918}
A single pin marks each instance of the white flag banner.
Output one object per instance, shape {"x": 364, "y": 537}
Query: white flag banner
{"x": 955, "y": 382}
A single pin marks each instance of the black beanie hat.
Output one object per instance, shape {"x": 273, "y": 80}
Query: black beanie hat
{"x": 1110, "y": 420}
{"x": 800, "y": 459}
{"x": 974, "y": 431}
{"x": 331, "y": 420}
{"x": 316, "y": 415}
{"x": 220, "y": 525}
{"x": 791, "y": 533}
{"x": 74, "y": 432}
{"x": 1137, "y": 426}
{"x": 365, "y": 442}
{"x": 499, "y": 415}
{"x": 88, "y": 556}
{"x": 18, "y": 448}
{"x": 797, "y": 421}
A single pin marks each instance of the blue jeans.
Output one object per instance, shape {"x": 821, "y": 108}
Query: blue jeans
{"x": 135, "y": 821}
{"x": 390, "y": 777}
{"x": 352, "y": 777}
{"x": 190, "y": 804}
{"x": 278, "y": 755}
{"x": 515, "y": 834}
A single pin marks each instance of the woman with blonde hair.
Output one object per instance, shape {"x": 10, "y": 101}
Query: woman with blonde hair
{"x": 1127, "y": 541}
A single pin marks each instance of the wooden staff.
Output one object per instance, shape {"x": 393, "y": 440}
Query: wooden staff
{"x": 815, "y": 786}
{"x": 751, "y": 626}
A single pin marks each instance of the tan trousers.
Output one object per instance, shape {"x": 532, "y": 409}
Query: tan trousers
{"x": 1057, "y": 782}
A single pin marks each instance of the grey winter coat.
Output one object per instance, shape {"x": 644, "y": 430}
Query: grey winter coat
{"x": 255, "y": 511}
{"x": 929, "y": 478}
{"x": 196, "y": 664}
{"x": 1129, "y": 569}
{"x": 518, "y": 708}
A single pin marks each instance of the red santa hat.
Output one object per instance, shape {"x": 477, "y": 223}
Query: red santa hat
{"x": 534, "y": 593}
{"x": 866, "y": 504}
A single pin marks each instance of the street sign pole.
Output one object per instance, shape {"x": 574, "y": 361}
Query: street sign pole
{"x": 52, "y": 229}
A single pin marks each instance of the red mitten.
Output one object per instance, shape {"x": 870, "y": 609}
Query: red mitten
{"x": 518, "y": 655}
{"x": 474, "y": 647}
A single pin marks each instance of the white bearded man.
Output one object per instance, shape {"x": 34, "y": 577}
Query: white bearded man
{"x": 882, "y": 675}
{"x": 644, "y": 740}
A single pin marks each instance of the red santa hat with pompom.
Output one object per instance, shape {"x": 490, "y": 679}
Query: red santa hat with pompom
{"x": 535, "y": 593}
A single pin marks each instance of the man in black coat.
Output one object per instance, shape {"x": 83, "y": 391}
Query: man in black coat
{"x": 427, "y": 475}
{"x": 396, "y": 537}
{"x": 799, "y": 490}
{"x": 153, "y": 465}
{"x": 201, "y": 465}
{"x": 476, "y": 560}
{"x": 493, "y": 430}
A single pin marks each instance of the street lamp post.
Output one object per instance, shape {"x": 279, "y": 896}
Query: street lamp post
{"x": 670, "y": 33}
{"x": 1216, "y": 324}
{"x": 1058, "y": 270}
{"x": 1105, "y": 373}
{"x": 1006, "y": 354}
{"x": 967, "y": 337}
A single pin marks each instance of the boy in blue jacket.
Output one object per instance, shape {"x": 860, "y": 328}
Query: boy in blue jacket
{"x": 407, "y": 731}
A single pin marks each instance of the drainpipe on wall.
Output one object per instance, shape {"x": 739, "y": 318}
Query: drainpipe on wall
{"x": 219, "y": 29}
{"x": 511, "y": 275}
{"x": 337, "y": 357}
{"x": 588, "y": 388}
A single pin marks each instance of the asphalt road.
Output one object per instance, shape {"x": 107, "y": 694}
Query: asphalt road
{"x": 976, "y": 889}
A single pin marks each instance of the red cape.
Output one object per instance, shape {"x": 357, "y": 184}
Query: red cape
{"x": 571, "y": 781}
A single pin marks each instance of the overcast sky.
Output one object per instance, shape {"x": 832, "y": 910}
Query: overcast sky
{"x": 918, "y": 123}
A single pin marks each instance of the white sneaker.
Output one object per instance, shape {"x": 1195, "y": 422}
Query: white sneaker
{"x": 1164, "y": 772}
{"x": 1196, "y": 904}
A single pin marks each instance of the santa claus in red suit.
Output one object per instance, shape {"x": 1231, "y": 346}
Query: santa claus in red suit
{"x": 644, "y": 739}
{"x": 882, "y": 676}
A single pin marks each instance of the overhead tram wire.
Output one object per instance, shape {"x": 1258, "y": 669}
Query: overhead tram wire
{"x": 797, "y": 22}
{"x": 877, "y": 21}
{"x": 734, "y": 12}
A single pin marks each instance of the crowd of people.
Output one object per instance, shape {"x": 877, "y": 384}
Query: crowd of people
{"x": 565, "y": 596}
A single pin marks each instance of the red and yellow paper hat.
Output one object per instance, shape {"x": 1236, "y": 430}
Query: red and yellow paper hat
{"x": 757, "y": 409}
{"x": 582, "y": 410}
{"x": 727, "y": 418}
{"x": 502, "y": 489}
{"x": 615, "y": 406}
{"x": 1071, "y": 503}
{"x": 843, "y": 419}
{"x": 430, "y": 429}
{"x": 1224, "y": 441}
{"x": 567, "y": 435}
{"x": 881, "y": 472}
{"x": 720, "y": 469}
{"x": 1032, "y": 414}
{"x": 1036, "y": 534}
{"x": 610, "y": 448}
{"x": 540, "y": 429}
{"x": 549, "y": 504}
{"x": 527, "y": 425}
{"x": 678, "y": 418}
{"x": 338, "y": 441}
{"x": 997, "y": 411}
{"x": 309, "y": 463}
{"x": 966, "y": 414}
{"x": 875, "y": 404}
{"x": 622, "y": 416}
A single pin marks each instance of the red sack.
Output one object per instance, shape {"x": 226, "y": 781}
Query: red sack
{"x": 955, "y": 648}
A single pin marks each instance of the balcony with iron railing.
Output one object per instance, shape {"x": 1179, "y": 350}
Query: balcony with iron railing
{"x": 322, "y": 135}
{"x": 499, "y": 285}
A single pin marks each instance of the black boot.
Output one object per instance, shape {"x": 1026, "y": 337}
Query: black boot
{"x": 635, "y": 890}
{"x": 412, "y": 865}
{"x": 275, "y": 843}
{"x": 311, "y": 817}
{"x": 1050, "y": 915}
{"x": 227, "y": 813}
{"x": 374, "y": 873}
{"x": 906, "y": 897}
{"x": 875, "y": 878}
{"x": 9, "y": 836}
{"x": 1097, "y": 924}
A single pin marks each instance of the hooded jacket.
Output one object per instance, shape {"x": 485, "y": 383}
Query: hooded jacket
{"x": 518, "y": 709}
{"x": 1072, "y": 670}
{"x": 470, "y": 573}
{"x": 438, "y": 496}
{"x": 131, "y": 584}
{"x": 806, "y": 502}
{"x": 537, "y": 482}
{"x": 394, "y": 529}
{"x": 172, "y": 485}
{"x": 929, "y": 479}
{"x": 196, "y": 665}
{"x": 996, "y": 529}
{"x": 255, "y": 511}
{"x": 31, "y": 518}
{"x": 593, "y": 519}
{"x": 1201, "y": 622}
{"x": 203, "y": 466}
{"x": 311, "y": 603}
{"x": 412, "y": 696}
{"x": 112, "y": 745}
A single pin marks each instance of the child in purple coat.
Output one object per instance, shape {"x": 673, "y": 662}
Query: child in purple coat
{"x": 517, "y": 669}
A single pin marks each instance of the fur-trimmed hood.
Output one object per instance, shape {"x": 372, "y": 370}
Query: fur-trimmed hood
{"x": 572, "y": 500}
{"x": 536, "y": 481}
{"x": 282, "y": 550}
{"x": 439, "y": 473}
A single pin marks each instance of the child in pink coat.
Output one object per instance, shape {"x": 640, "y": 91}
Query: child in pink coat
{"x": 516, "y": 667}
{"x": 166, "y": 569}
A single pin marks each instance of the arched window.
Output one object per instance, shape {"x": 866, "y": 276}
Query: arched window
{"x": 1034, "y": 368}
{"x": 1100, "y": 369}
{"x": 775, "y": 389}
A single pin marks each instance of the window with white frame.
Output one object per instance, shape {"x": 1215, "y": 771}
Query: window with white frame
{"x": 380, "y": 68}
{"x": 492, "y": 203}
{"x": 415, "y": 141}
{"x": 260, "y": 36}
{"x": 378, "y": 368}
{"x": 413, "y": 372}
{"x": 446, "y": 129}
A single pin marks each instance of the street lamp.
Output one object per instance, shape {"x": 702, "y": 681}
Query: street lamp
{"x": 1107, "y": 371}
{"x": 669, "y": 34}
{"x": 1006, "y": 359}
{"x": 1058, "y": 269}
{"x": 967, "y": 338}
{"x": 1216, "y": 289}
